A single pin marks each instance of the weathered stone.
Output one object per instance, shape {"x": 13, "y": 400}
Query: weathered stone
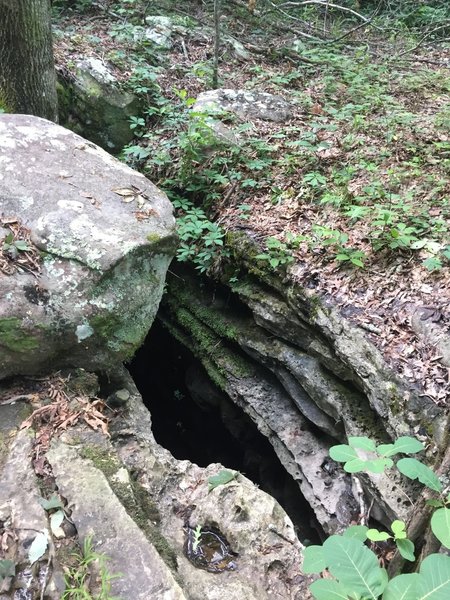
{"x": 104, "y": 255}
{"x": 269, "y": 561}
{"x": 299, "y": 449}
{"x": 245, "y": 104}
{"x": 94, "y": 106}
{"x": 134, "y": 501}
{"x": 307, "y": 392}
{"x": 21, "y": 514}
{"x": 97, "y": 512}
{"x": 160, "y": 30}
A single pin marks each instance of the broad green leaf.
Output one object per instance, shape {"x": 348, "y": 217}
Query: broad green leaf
{"x": 328, "y": 589}
{"x": 408, "y": 445}
{"x": 414, "y": 469}
{"x": 21, "y": 245}
{"x": 342, "y": 453}
{"x": 434, "y": 503}
{"x": 355, "y": 466}
{"x": 402, "y": 587}
{"x": 313, "y": 560}
{"x": 385, "y": 449}
{"x": 358, "y": 532}
{"x": 7, "y": 568}
{"x": 221, "y": 478}
{"x": 355, "y": 566}
{"x": 53, "y": 502}
{"x": 38, "y": 547}
{"x": 447, "y": 500}
{"x": 375, "y": 535}
{"x": 434, "y": 578}
{"x": 406, "y": 549}
{"x": 363, "y": 443}
{"x": 378, "y": 465}
{"x": 399, "y": 529}
{"x": 440, "y": 525}
{"x": 405, "y": 444}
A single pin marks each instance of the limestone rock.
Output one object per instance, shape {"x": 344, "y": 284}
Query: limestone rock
{"x": 245, "y": 104}
{"x": 97, "y": 511}
{"x": 306, "y": 373}
{"x": 135, "y": 501}
{"x": 23, "y": 516}
{"x": 160, "y": 30}
{"x": 94, "y": 106}
{"x": 105, "y": 235}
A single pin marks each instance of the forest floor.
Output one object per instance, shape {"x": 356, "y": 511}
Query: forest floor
{"x": 351, "y": 194}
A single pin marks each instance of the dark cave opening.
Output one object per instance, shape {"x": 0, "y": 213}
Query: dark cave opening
{"x": 195, "y": 420}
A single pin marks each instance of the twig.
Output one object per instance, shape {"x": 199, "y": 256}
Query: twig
{"x": 286, "y": 14}
{"x": 423, "y": 38}
{"x": 20, "y": 397}
{"x": 326, "y": 4}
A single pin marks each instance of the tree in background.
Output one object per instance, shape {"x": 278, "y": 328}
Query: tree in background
{"x": 27, "y": 72}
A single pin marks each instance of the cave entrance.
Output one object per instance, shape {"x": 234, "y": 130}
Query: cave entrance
{"x": 196, "y": 421}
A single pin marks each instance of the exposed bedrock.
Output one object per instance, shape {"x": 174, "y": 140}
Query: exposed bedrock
{"x": 308, "y": 379}
{"x": 137, "y": 504}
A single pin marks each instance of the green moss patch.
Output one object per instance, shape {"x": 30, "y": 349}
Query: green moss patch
{"x": 135, "y": 499}
{"x": 13, "y": 337}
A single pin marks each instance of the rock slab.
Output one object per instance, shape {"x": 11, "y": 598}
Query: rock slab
{"x": 102, "y": 236}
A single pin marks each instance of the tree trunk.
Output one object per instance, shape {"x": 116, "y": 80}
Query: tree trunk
{"x": 27, "y": 71}
{"x": 215, "y": 78}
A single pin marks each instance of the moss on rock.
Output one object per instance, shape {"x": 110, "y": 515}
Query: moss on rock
{"x": 135, "y": 499}
{"x": 14, "y": 337}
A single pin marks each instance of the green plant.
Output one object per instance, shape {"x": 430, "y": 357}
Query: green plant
{"x": 223, "y": 477}
{"x": 79, "y": 580}
{"x": 12, "y": 247}
{"x": 354, "y": 568}
{"x": 7, "y": 569}
{"x": 277, "y": 253}
{"x": 197, "y": 537}
{"x": 201, "y": 239}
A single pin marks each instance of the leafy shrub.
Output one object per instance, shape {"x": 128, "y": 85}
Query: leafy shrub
{"x": 353, "y": 568}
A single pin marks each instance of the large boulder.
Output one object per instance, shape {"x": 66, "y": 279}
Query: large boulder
{"x": 93, "y": 104}
{"x": 85, "y": 243}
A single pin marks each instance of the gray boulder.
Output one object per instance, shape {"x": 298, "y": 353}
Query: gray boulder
{"x": 98, "y": 237}
{"x": 245, "y": 104}
{"x": 160, "y": 30}
{"x": 93, "y": 105}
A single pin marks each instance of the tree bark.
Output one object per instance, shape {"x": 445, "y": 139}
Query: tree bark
{"x": 215, "y": 78}
{"x": 27, "y": 70}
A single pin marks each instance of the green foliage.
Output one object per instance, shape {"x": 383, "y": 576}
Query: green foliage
{"x": 355, "y": 570}
{"x": 222, "y": 478}
{"x": 404, "y": 546}
{"x": 78, "y": 579}
{"x": 380, "y": 459}
{"x": 277, "y": 253}
{"x": 197, "y": 537}
{"x": 414, "y": 469}
{"x": 201, "y": 240}
{"x": 14, "y": 247}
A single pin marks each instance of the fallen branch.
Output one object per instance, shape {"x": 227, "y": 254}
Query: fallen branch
{"x": 424, "y": 37}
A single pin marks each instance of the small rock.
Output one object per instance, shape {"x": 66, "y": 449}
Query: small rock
{"x": 118, "y": 399}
